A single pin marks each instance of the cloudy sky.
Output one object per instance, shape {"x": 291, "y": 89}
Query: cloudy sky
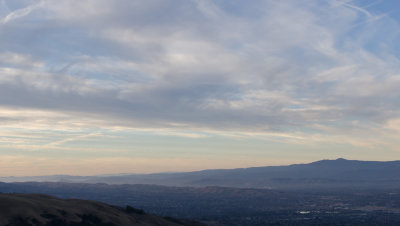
{"x": 129, "y": 86}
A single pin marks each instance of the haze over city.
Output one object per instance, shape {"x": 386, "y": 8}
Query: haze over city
{"x": 105, "y": 87}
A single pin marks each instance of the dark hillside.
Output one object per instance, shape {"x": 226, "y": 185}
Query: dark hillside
{"x": 28, "y": 209}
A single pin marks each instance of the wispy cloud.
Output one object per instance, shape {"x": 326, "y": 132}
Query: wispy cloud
{"x": 246, "y": 73}
{"x": 19, "y": 13}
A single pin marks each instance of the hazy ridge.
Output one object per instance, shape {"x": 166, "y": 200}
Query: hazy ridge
{"x": 324, "y": 173}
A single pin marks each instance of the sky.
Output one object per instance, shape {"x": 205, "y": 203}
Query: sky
{"x": 128, "y": 86}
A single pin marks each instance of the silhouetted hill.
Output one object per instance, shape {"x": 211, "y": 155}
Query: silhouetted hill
{"x": 324, "y": 173}
{"x": 28, "y": 209}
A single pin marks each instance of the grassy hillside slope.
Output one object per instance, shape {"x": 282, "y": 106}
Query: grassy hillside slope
{"x": 34, "y": 209}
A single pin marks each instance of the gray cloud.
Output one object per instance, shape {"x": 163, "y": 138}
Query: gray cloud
{"x": 226, "y": 65}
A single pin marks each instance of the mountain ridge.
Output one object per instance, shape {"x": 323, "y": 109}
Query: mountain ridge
{"x": 319, "y": 173}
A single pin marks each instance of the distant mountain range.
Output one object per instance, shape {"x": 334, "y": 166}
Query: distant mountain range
{"x": 33, "y": 209}
{"x": 324, "y": 173}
